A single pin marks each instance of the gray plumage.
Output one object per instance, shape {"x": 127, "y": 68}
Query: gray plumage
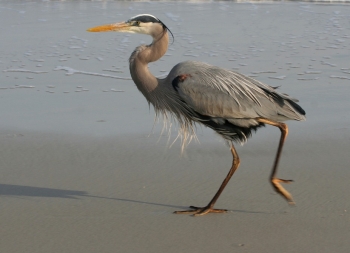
{"x": 229, "y": 98}
{"x": 224, "y": 100}
{"x": 230, "y": 103}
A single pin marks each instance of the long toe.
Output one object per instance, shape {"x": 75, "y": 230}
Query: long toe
{"x": 198, "y": 211}
{"x": 280, "y": 189}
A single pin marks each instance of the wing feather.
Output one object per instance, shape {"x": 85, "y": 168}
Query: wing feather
{"x": 221, "y": 93}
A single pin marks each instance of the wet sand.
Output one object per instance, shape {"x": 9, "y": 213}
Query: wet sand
{"x": 83, "y": 169}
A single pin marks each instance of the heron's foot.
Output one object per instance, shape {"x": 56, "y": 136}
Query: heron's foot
{"x": 279, "y": 189}
{"x": 197, "y": 211}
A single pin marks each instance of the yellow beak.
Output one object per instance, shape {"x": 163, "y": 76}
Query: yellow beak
{"x": 121, "y": 27}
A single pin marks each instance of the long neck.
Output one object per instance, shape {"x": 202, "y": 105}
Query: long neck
{"x": 143, "y": 78}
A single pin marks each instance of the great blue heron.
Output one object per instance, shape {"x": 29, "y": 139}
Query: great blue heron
{"x": 228, "y": 102}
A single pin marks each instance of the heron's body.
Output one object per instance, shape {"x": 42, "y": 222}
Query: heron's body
{"x": 230, "y": 103}
{"x": 215, "y": 95}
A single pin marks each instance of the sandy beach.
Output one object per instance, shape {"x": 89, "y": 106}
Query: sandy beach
{"x": 85, "y": 169}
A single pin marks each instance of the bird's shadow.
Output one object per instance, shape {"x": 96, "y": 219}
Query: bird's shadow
{"x": 32, "y": 191}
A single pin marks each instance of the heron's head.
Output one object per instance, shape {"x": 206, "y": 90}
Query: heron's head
{"x": 143, "y": 23}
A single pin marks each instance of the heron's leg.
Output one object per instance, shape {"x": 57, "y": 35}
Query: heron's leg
{"x": 196, "y": 211}
{"x": 276, "y": 181}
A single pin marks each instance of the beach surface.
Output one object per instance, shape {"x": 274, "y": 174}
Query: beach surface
{"x": 84, "y": 167}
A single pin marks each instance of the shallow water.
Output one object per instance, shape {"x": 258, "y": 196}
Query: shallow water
{"x": 56, "y": 77}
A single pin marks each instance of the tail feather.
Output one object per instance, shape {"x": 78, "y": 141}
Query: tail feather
{"x": 297, "y": 107}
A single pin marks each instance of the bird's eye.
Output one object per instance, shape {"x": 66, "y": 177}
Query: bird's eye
{"x": 137, "y": 23}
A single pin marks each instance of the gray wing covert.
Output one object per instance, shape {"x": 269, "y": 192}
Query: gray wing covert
{"x": 225, "y": 94}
